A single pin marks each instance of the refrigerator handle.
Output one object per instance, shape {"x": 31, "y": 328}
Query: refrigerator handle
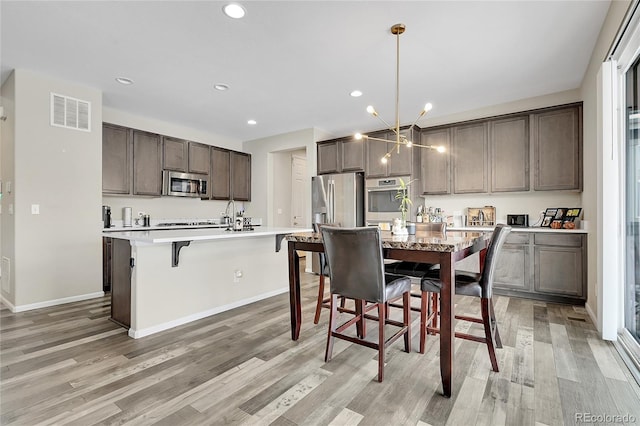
{"x": 331, "y": 215}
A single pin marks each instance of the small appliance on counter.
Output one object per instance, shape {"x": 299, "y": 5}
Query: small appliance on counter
{"x": 106, "y": 216}
{"x": 518, "y": 220}
{"x": 126, "y": 217}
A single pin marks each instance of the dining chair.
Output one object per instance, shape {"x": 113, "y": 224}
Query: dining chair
{"x": 417, "y": 269}
{"x": 469, "y": 284}
{"x": 356, "y": 271}
{"x": 323, "y": 302}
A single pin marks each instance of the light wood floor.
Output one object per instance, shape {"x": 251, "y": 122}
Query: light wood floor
{"x": 71, "y": 365}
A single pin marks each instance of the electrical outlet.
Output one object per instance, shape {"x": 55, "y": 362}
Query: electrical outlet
{"x": 237, "y": 274}
{"x": 35, "y": 208}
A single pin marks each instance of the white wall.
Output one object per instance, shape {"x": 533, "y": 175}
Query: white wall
{"x": 263, "y": 169}
{"x": 57, "y": 253}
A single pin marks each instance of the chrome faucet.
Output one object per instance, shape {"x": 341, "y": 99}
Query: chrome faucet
{"x": 233, "y": 212}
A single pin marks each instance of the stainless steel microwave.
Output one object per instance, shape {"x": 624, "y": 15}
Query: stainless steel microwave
{"x": 184, "y": 184}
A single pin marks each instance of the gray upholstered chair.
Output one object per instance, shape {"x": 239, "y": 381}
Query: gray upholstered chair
{"x": 469, "y": 284}
{"x": 356, "y": 271}
{"x": 323, "y": 302}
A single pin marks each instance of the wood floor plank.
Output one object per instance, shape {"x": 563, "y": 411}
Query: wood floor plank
{"x": 606, "y": 362}
{"x": 566, "y": 367}
{"x": 346, "y": 417}
{"x": 70, "y": 365}
{"x": 548, "y": 409}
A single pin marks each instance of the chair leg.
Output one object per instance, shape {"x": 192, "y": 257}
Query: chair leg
{"x": 434, "y": 302}
{"x": 488, "y": 332}
{"x": 320, "y": 299}
{"x": 333, "y": 313}
{"x": 424, "y": 301}
{"x": 361, "y": 327}
{"x": 382, "y": 319}
{"x": 406, "y": 311}
{"x": 494, "y": 323}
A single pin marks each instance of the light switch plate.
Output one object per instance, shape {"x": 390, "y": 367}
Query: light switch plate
{"x": 35, "y": 208}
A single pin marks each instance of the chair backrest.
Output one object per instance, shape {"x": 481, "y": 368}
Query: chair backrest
{"x": 324, "y": 267}
{"x": 431, "y": 227}
{"x": 356, "y": 262}
{"x": 491, "y": 259}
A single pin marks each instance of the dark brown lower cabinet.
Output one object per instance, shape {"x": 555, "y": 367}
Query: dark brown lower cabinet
{"x": 121, "y": 282}
{"x": 545, "y": 266}
{"x": 106, "y": 263}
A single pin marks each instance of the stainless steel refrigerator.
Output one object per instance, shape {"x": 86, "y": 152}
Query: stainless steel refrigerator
{"x": 339, "y": 199}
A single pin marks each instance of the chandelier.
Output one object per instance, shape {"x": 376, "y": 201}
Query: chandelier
{"x": 401, "y": 140}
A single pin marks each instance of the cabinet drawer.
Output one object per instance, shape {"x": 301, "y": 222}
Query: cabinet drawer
{"x": 558, "y": 240}
{"x": 517, "y": 238}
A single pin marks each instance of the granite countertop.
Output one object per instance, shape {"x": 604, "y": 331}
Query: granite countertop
{"x": 421, "y": 241}
{"x": 518, "y": 229}
{"x": 206, "y": 234}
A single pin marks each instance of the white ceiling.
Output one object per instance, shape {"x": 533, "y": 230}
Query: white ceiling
{"x": 292, "y": 64}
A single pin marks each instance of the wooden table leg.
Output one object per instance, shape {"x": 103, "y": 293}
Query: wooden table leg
{"x": 447, "y": 315}
{"x": 294, "y": 291}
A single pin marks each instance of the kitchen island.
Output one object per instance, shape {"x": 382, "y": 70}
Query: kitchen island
{"x": 165, "y": 278}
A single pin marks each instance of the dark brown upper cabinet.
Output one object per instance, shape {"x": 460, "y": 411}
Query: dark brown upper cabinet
{"x": 116, "y": 160}
{"x": 175, "y": 154}
{"x": 470, "y": 154}
{"x": 557, "y": 148}
{"x": 240, "y": 176}
{"x": 509, "y": 154}
{"x": 220, "y": 174}
{"x": 199, "y": 158}
{"x": 435, "y": 168}
{"x": 147, "y": 163}
{"x": 340, "y": 156}
{"x": 401, "y": 162}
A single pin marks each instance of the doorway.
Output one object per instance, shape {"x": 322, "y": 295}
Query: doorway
{"x": 630, "y": 334}
{"x": 298, "y": 182}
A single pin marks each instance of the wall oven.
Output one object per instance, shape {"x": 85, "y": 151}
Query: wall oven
{"x": 380, "y": 199}
{"x": 184, "y": 184}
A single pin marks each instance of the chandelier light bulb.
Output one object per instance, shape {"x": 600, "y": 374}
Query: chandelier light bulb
{"x": 409, "y": 144}
{"x": 440, "y": 148}
{"x": 383, "y": 160}
{"x": 357, "y": 136}
{"x": 428, "y": 107}
{"x": 371, "y": 110}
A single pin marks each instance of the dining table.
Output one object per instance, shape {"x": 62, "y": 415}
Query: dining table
{"x": 444, "y": 248}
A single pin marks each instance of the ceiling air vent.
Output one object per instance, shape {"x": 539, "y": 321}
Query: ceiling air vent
{"x": 70, "y": 113}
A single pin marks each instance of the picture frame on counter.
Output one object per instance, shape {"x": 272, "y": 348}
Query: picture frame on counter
{"x": 560, "y": 217}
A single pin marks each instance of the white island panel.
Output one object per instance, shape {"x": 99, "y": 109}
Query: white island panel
{"x": 206, "y": 280}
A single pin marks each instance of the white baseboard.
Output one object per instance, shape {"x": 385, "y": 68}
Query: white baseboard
{"x": 136, "y": 334}
{"x": 48, "y": 303}
{"x": 594, "y": 317}
{"x": 9, "y": 305}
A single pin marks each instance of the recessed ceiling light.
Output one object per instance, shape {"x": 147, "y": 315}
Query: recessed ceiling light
{"x": 221, "y": 86}
{"x": 356, "y": 93}
{"x": 252, "y": 122}
{"x": 234, "y": 10}
{"x": 124, "y": 80}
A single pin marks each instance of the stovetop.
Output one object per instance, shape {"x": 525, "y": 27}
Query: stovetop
{"x": 209, "y": 222}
